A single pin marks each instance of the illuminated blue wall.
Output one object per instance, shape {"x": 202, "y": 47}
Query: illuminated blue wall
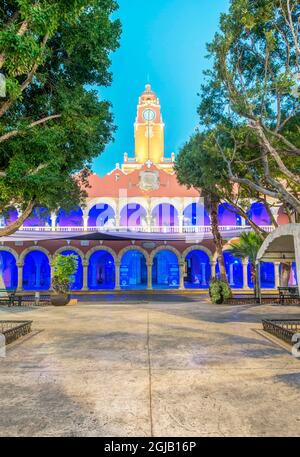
{"x": 100, "y": 214}
{"x": 133, "y": 270}
{"x": 234, "y": 270}
{"x": 267, "y": 275}
{"x": 196, "y": 214}
{"x": 8, "y": 270}
{"x": 227, "y": 216}
{"x": 258, "y": 214}
{"x": 165, "y": 215}
{"x": 132, "y": 215}
{"x": 39, "y": 218}
{"x": 198, "y": 270}
{"x": 78, "y": 277}
{"x": 165, "y": 270}
{"x": 9, "y": 217}
{"x": 36, "y": 271}
{"x": 101, "y": 271}
{"x": 73, "y": 218}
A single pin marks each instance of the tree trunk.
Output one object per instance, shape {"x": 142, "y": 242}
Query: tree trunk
{"x": 254, "y": 280}
{"x": 218, "y": 240}
{"x": 10, "y": 229}
{"x": 285, "y": 274}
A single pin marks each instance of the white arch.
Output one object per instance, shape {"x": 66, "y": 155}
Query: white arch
{"x": 133, "y": 248}
{"x": 166, "y": 248}
{"x": 11, "y": 251}
{"x": 176, "y": 202}
{"x": 138, "y": 201}
{"x": 197, "y": 247}
{"x": 34, "y": 248}
{"x": 100, "y": 248}
{"x": 69, "y": 248}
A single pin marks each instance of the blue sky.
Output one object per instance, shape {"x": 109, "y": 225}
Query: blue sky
{"x": 165, "y": 41}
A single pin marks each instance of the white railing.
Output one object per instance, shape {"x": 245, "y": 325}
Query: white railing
{"x": 144, "y": 229}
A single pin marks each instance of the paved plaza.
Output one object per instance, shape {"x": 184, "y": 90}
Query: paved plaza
{"x": 174, "y": 366}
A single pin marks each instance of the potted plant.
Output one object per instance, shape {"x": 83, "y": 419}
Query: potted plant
{"x": 65, "y": 268}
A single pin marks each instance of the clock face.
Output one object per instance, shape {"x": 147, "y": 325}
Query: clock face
{"x": 149, "y": 114}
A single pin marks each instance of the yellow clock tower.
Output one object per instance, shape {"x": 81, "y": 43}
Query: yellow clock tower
{"x": 148, "y": 134}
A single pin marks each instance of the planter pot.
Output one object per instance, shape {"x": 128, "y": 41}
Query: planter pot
{"x": 60, "y": 299}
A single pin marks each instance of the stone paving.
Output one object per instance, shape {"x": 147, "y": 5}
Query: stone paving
{"x": 173, "y": 367}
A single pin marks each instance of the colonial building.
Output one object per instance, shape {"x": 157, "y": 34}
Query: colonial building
{"x": 158, "y": 232}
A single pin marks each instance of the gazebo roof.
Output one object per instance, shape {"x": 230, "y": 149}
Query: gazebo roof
{"x": 280, "y": 244}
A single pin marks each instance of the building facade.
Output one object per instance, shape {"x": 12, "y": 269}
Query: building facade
{"x": 141, "y": 195}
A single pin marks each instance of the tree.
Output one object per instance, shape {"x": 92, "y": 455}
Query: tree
{"x": 247, "y": 248}
{"x": 52, "y": 124}
{"x": 249, "y": 98}
{"x": 193, "y": 165}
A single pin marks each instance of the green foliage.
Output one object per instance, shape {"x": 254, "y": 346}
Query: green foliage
{"x": 53, "y": 53}
{"x": 247, "y": 100}
{"x": 247, "y": 247}
{"x": 65, "y": 267}
{"x": 219, "y": 291}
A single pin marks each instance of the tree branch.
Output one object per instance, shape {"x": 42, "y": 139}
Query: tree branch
{"x": 14, "y": 133}
{"x": 17, "y": 224}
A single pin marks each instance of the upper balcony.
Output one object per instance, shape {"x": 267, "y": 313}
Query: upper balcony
{"x": 135, "y": 217}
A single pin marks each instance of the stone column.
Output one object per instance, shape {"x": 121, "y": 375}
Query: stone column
{"x": 85, "y": 275}
{"x": 51, "y": 274}
{"x": 181, "y": 277}
{"x": 245, "y": 274}
{"x": 149, "y": 276}
{"x": 117, "y": 269}
{"x": 149, "y": 221}
{"x": 85, "y": 223}
{"x": 180, "y": 220}
{"x": 53, "y": 222}
{"x": 277, "y": 274}
{"x": 20, "y": 276}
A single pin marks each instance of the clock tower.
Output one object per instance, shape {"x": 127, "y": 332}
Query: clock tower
{"x": 149, "y": 129}
{"x": 148, "y": 135}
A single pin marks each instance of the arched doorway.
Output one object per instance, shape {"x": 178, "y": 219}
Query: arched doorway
{"x": 197, "y": 270}
{"x": 101, "y": 271}
{"x": 267, "y": 275}
{"x": 8, "y": 270}
{"x": 165, "y": 215}
{"x": 195, "y": 214}
{"x": 227, "y": 216}
{"x": 9, "y": 217}
{"x": 259, "y": 214}
{"x": 36, "y": 271}
{"x": 101, "y": 215}
{"x": 133, "y": 215}
{"x": 78, "y": 277}
{"x": 133, "y": 270}
{"x": 40, "y": 218}
{"x": 165, "y": 270}
{"x": 73, "y": 218}
{"x": 234, "y": 270}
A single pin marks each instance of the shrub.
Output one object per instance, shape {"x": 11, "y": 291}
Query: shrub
{"x": 219, "y": 291}
{"x": 65, "y": 267}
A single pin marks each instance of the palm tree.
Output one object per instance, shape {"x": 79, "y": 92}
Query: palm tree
{"x": 247, "y": 247}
